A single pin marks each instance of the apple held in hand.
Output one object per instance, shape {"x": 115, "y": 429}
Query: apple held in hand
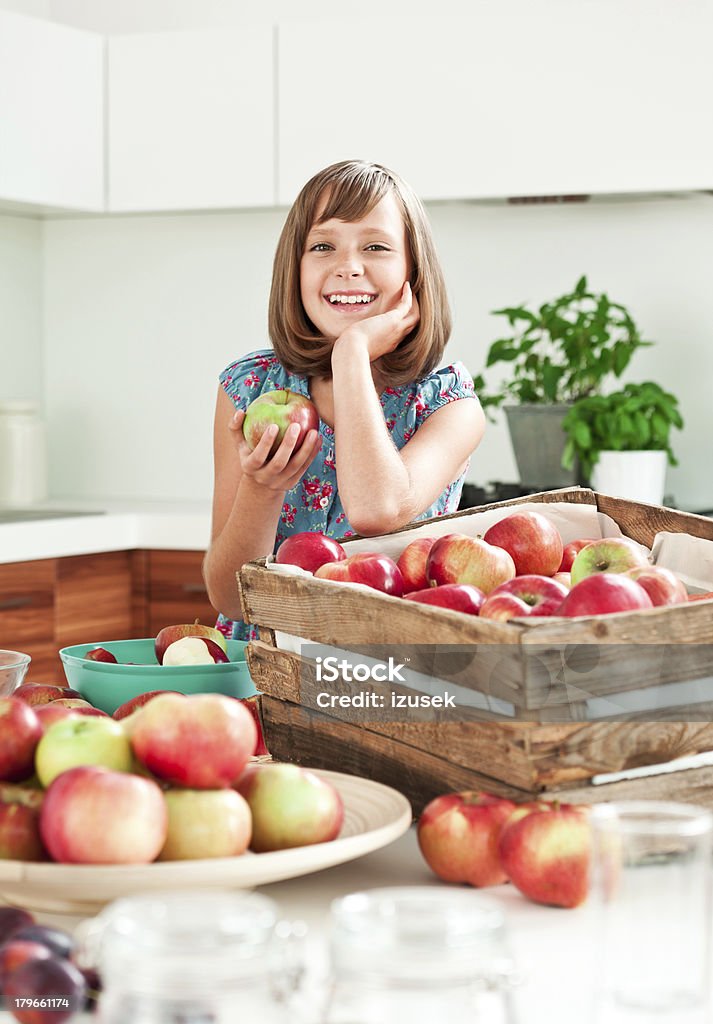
{"x": 280, "y": 408}
{"x": 309, "y": 550}
{"x": 20, "y": 732}
{"x": 531, "y": 539}
{"x": 369, "y": 568}
{"x": 412, "y": 563}
{"x": 457, "y": 558}
{"x": 524, "y": 595}
{"x": 290, "y": 807}
{"x": 571, "y": 550}
{"x": 662, "y": 586}
{"x": 82, "y": 741}
{"x": 603, "y": 594}
{"x": 206, "y": 823}
{"x": 545, "y": 853}
{"x": 457, "y": 597}
{"x": 170, "y": 634}
{"x": 611, "y": 554}
{"x": 194, "y": 650}
{"x": 202, "y": 741}
{"x": 458, "y": 837}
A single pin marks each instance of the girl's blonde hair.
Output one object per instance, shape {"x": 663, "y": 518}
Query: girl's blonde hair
{"x": 353, "y": 188}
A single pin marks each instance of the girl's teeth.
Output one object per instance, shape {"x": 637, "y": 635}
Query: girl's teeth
{"x": 350, "y": 299}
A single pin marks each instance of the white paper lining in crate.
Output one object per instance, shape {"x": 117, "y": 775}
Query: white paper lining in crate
{"x": 691, "y": 558}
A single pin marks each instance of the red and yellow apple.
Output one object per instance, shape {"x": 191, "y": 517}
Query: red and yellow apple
{"x": 368, "y": 568}
{"x": 206, "y": 823}
{"x": 290, "y": 806}
{"x": 82, "y": 740}
{"x": 308, "y": 550}
{"x": 194, "y": 650}
{"x": 531, "y": 539}
{"x": 43, "y": 693}
{"x": 253, "y": 706}
{"x": 129, "y": 706}
{"x": 603, "y": 594}
{"x": 529, "y": 595}
{"x": 412, "y": 564}
{"x": 458, "y": 836}
{"x": 611, "y": 554}
{"x": 457, "y": 597}
{"x": 282, "y": 409}
{"x": 20, "y": 732}
{"x": 52, "y": 712}
{"x": 457, "y": 558}
{"x": 170, "y": 634}
{"x": 662, "y": 586}
{"x": 19, "y": 824}
{"x": 571, "y": 550}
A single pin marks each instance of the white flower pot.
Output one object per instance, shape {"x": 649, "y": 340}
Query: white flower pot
{"x": 639, "y": 476}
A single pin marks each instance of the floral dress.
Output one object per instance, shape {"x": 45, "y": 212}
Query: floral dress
{"x": 314, "y": 503}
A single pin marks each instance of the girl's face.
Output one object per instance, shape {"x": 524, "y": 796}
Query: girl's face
{"x": 351, "y": 270}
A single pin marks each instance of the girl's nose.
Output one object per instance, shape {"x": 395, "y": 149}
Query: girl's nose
{"x": 350, "y": 265}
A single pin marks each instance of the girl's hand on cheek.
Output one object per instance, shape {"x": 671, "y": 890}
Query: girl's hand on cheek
{"x": 383, "y": 332}
{"x": 287, "y": 465}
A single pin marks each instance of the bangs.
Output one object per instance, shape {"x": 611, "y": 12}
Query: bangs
{"x": 354, "y": 192}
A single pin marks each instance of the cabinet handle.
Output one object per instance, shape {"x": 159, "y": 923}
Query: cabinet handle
{"x": 15, "y": 602}
{"x": 195, "y": 588}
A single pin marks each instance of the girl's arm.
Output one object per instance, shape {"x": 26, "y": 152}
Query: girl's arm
{"x": 248, "y": 494}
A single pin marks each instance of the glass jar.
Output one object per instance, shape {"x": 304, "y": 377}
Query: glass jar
{"x": 23, "y": 466}
{"x": 193, "y": 957}
{"x": 418, "y": 954}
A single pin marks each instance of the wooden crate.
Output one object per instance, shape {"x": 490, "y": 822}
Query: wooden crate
{"x": 545, "y": 745}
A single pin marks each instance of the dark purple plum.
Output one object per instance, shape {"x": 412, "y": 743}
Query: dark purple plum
{"x": 58, "y": 942}
{"x": 12, "y": 919}
{"x": 57, "y": 981}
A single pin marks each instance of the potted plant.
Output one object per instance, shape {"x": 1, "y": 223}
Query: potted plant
{"x": 558, "y": 354}
{"x": 623, "y": 440}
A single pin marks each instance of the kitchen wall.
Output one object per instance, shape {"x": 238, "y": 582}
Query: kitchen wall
{"x": 142, "y": 313}
{"x": 20, "y": 308}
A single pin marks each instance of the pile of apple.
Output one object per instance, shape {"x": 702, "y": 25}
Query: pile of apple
{"x": 171, "y": 781}
{"x": 519, "y": 567}
{"x": 542, "y": 847}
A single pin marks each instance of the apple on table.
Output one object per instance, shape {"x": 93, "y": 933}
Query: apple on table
{"x": 206, "y": 823}
{"x": 279, "y": 408}
{"x": 458, "y": 836}
{"x": 290, "y": 806}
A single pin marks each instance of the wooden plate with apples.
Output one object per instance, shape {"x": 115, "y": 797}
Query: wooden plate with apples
{"x": 374, "y": 816}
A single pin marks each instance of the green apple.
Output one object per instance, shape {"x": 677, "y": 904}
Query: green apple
{"x": 206, "y": 823}
{"x": 71, "y": 742}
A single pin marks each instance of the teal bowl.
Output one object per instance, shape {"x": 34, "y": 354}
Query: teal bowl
{"x": 108, "y": 686}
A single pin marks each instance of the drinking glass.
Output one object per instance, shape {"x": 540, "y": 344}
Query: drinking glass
{"x": 13, "y": 668}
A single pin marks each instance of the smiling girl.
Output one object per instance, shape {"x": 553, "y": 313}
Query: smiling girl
{"x": 358, "y": 320}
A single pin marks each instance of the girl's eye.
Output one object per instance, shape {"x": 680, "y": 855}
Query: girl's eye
{"x": 320, "y": 247}
{"x": 377, "y": 247}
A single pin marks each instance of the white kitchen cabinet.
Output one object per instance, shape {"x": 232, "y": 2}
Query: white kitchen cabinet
{"x": 563, "y": 99}
{"x": 51, "y": 114}
{"x": 191, "y": 123}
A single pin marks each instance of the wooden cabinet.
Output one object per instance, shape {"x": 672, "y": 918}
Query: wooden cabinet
{"x": 93, "y": 598}
{"x": 27, "y": 615}
{"x": 175, "y": 590}
{"x": 51, "y": 114}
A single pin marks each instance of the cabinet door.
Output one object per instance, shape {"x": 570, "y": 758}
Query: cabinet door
{"x": 561, "y": 99}
{"x": 93, "y": 599}
{"x": 51, "y": 114}
{"x": 177, "y": 593}
{"x": 27, "y": 616}
{"x": 191, "y": 120}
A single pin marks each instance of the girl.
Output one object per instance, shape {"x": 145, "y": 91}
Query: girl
{"x": 359, "y": 320}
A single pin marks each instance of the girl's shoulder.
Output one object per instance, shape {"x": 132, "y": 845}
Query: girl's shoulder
{"x": 250, "y": 375}
{"x": 446, "y": 384}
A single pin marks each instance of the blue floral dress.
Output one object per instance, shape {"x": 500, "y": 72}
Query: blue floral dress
{"x": 314, "y": 503}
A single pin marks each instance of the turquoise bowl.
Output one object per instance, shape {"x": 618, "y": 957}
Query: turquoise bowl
{"x": 108, "y": 686}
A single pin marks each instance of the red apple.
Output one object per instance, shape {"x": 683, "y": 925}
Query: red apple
{"x": 92, "y": 815}
{"x": 412, "y": 564}
{"x": 369, "y": 568}
{"x": 20, "y": 732}
{"x": 129, "y": 706}
{"x": 202, "y": 741}
{"x": 19, "y": 824}
{"x": 525, "y": 595}
{"x": 531, "y": 539}
{"x": 546, "y": 852}
{"x": 79, "y": 706}
{"x": 194, "y": 650}
{"x": 662, "y": 586}
{"x": 280, "y": 408}
{"x": 290, "y": 806}
{"x": 206, "y": 823}
{"x": 253, "y": 706}
{"x": 458, "y": 837}
{"x": 604, "y": 593}
{"x": 571, "y": 550}
{"x": 100, "y": 654}
{"x": 611, "y": 554}
{"x": 43, "y": 693}
{"x": 565, "y": 578}
{"x": 170, "y": 634}
{"x": 457, "y": 558}
{"x": 82, "y": 741}
{"x": 52, "y": 712}
{"x": 309, "y": 550}
{"x": 458, "y": 597}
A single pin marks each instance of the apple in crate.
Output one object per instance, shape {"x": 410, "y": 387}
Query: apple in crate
{"x": 611, "y": 554}
{"x": 571, "y": 550}
{"x": 531, "y": 539}
{"x": 281, "y": 408}
{"x": 369, "y": 568}
{"x": 20, "y": 732}
{"x": 19, "y": 823}
{"x": 545, "y": 852}
{"x": 603, "y": 594}
{"x": 524, "y": 595}
{"x": 412, "y": 563}
{"x": 458, "y": 836}
{"x": 308, "y": 550}
{"x": 43, "y": 693}
{"x": 82, "y": 741}
{"x": 92, "y": 815}
{"x": 290, "y": 806}
{"x": 457, "y": 597}
{"x": 206, "y": 823}
{"x": 457, "y": 558}
{"x": 202, "y": 741}
{"x": 662, "y": 586}
{"x": 169, "y": 635}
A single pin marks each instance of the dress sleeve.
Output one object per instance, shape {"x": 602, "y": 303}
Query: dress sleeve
{"x": 246, "y": 378}
{"x": 449, "y": 384}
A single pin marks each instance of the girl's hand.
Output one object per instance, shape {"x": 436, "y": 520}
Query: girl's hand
{"x": 383, "y": 332}
{"x": 287, "y": 465}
